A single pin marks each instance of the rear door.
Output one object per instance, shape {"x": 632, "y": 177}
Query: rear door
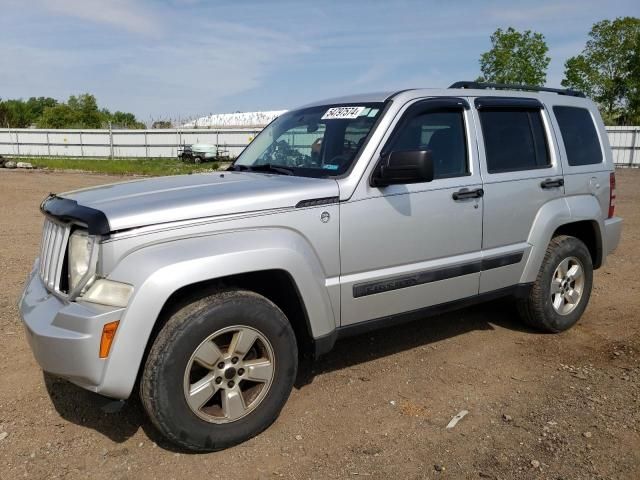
{"x": 521, "y": 172}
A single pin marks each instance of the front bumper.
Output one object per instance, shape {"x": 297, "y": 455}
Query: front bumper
{"x": 612, "y": 233}
{"x": 65, "y": 336}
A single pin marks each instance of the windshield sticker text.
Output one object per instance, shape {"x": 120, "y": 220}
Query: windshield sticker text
{"x": 336, "y": 113}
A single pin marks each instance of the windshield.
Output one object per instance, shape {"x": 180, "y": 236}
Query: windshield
{"x": 316, "y": 141}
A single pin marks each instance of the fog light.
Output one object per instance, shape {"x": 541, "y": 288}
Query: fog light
{"x": 108, "y": 332}
{"x": 108, "y": 292}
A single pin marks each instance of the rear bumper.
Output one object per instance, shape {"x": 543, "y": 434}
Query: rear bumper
{"x": 612, "y": 233}
{"x": 65, "y": 336}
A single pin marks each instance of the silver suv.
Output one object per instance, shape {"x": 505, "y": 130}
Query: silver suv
{"x": 341, "y": 216}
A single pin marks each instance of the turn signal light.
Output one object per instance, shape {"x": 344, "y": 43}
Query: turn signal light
{"x": 108, "y": 333}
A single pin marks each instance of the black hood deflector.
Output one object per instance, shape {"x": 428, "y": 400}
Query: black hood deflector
{"x": 66, "y": 209}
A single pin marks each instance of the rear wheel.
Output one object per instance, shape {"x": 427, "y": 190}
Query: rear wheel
{"x": 561, "y": 292}
{"x": 197, "y": 160}
{"x": 220, "y": 371}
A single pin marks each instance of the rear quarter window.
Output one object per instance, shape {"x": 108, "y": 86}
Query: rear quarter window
{"x": 579, "y": 136}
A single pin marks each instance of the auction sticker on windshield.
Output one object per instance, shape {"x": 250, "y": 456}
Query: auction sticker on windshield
{"x": 337, "y": 113}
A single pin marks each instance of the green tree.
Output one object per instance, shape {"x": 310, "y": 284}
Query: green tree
{"x": 162, "y": 124}
{"x": 14, "y": 114}
{"x": 21, "y": 114}
{"x": 79, "y": 111}
{"x": 36, "y": 107}
{"x": 608, "y": 69}
{"x": 60, "y": 116}
{"x": 515, "y": 57}
{"x": 634, "y": 86}
{"x": 125, "y": 120}
{"x": 86, "y": 107}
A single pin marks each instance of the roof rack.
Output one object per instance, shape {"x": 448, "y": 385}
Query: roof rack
{"x": 514, "y": 86}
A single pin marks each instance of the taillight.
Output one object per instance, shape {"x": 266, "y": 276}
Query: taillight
{"x": 612, "y": 194}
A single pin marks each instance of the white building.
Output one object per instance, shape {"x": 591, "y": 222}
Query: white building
{"x": 238, "y": 119}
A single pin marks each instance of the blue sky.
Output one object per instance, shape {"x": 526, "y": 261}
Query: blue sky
{"x": 185, "y": 58}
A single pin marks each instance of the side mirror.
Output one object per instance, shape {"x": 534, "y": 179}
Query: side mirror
{"x": 400, "y": 167}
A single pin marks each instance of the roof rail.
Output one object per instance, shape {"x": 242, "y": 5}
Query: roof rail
{"x": 515, "y": 86}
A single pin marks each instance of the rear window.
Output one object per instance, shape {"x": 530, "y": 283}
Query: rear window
{"x": 579, "y": 136}
{"x": 514, "y": 139}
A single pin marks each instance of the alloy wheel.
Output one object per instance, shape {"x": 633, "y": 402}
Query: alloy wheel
{"x": 229, "y": 374}
{"x": 567, "y": 285}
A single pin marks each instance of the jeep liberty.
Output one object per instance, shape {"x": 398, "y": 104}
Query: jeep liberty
{"x": 202, "y": 291}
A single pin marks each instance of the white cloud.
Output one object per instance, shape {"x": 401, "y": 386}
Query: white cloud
{"x": 189, "y": 72}
{"x": 175, "y": 57}
{"x": 37, "y": 71}
{"x": 531, "y": 14}
{"x": 187, "y": 75}
{"x": 559, "y": 53}
{"x": 193, "y": 73}
{"x": 375, "y": 72}
{"x": 127, "y": 15}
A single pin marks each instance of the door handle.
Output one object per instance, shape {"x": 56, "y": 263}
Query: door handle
{"x": 466, "y": 193}
{"x": 552, "y": 183}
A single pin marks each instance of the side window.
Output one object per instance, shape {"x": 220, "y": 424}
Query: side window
{"x": 443, "y": 133}
{"x": 579, "y": 136}
{"x": 355, "y": 135}
{"x": 514, "y": 139}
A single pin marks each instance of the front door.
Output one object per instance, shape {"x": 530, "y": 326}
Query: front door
{"x": 405, "y": 247}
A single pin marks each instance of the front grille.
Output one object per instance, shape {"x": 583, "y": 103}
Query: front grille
{"x": 52, "y": 252}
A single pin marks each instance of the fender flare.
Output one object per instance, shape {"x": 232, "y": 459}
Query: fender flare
{"x": 159, "y": 270}
{"x": 550, "y": 217}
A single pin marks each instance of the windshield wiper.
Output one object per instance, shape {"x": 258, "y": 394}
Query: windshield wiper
{"x": 267, "y": 167}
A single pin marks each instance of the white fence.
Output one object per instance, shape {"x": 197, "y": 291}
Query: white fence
{"x": 625, "y": 142}
{"x": 28, "y": 142}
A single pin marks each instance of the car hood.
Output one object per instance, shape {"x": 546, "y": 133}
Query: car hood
{"x": 167, "y": 199}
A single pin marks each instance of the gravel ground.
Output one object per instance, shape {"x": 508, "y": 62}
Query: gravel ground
{"x": 540, "y": 406}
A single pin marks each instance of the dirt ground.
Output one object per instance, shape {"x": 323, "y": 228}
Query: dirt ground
{"x": 540, "y": 406}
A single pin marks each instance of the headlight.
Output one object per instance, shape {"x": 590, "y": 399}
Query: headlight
{"x": 80, "y": 256}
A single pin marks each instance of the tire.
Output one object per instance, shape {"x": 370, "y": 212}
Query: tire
{"x": 197, "y": 160}
{"x": 174, "y": 371}
{"x": 561, "y": 310}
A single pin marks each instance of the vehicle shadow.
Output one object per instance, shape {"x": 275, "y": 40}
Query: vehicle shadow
{"x": 115, "y": 419}
{"x": 394, "y": 339}
{"x": 120, "y": 420}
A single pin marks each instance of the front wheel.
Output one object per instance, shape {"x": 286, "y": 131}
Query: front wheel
{"x": 220, "y": 371}
{"x": 561, "y": 292}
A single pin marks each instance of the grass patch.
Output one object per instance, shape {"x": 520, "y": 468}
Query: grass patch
{"x": 124, "y": 166}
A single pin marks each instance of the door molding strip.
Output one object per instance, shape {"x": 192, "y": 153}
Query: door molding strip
{"x": 434, "y": 275}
